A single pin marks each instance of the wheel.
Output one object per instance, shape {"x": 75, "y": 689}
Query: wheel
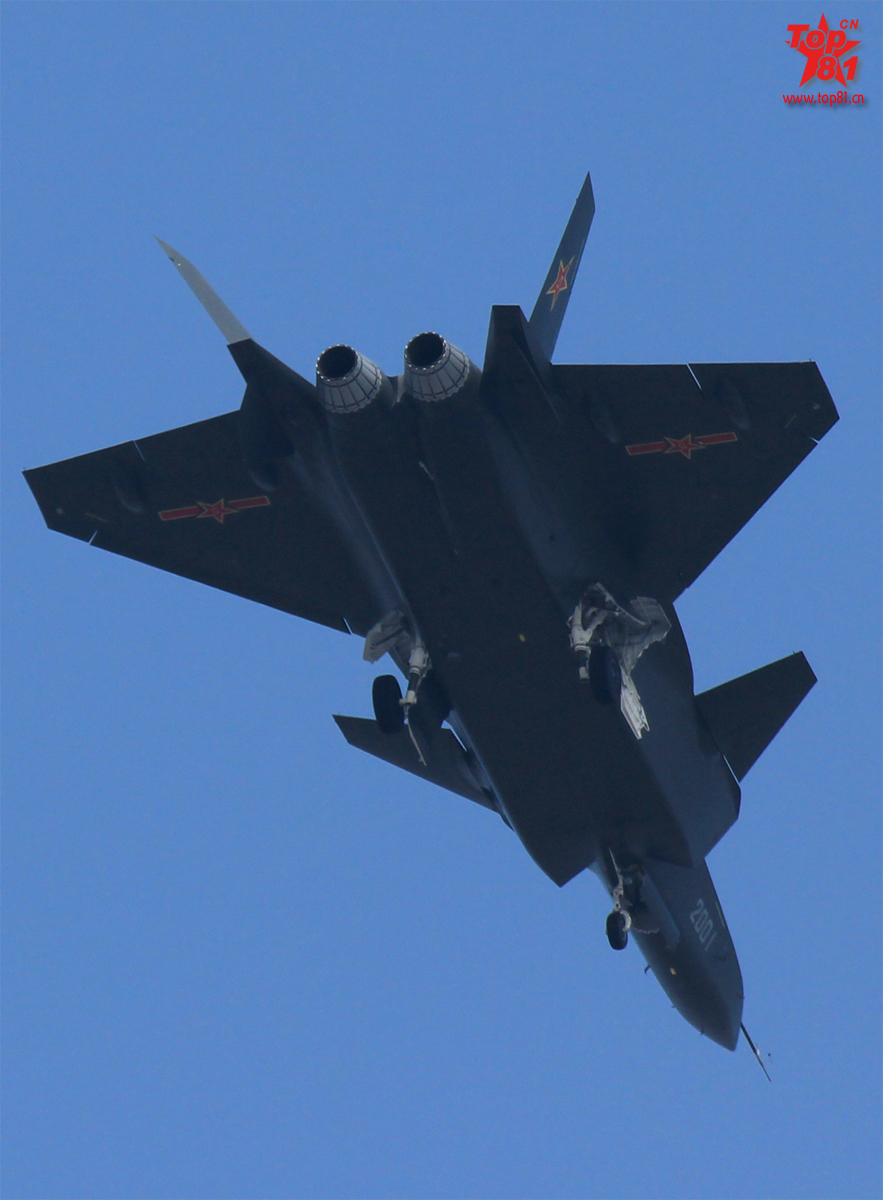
{"x": 388, "y": 712}
{"x": 617, "y": 930}
{"x": 605, "y": 677}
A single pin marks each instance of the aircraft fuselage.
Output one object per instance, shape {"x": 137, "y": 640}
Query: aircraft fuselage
{"x": 567, "y": 773}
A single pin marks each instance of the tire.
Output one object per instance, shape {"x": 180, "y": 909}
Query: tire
{"x": 388, "y": 712}
{"x": 605, "y": 677}
{"x": 617, "y": 933}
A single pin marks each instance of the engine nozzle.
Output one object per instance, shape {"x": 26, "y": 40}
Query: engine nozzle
{"x": 435, "y": 370}
{"x": 347, "y": 382}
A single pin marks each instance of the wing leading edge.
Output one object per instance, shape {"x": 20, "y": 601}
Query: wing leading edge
{"x": 183, "y": 501}
{"x": 682, "y": 457}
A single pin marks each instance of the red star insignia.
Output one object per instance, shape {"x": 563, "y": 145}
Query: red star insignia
{"x": 684, "y": 445}
{"x": 217, "y": 510}
{"x": 560, "y": 284}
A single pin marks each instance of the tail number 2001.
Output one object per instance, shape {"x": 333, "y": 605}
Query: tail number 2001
{"x": 703, "y": 924}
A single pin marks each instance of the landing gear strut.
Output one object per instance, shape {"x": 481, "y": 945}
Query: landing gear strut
{"x": 391, "y": 708}
{"x": 418, "y": 665}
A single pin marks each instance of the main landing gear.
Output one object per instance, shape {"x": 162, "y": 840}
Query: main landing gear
{"x": 418, "y": 665}
{"x": 423, "y": 708}
{"x": 608, "y": 640}
{"x": 391, "y": 708}
{"x": 605, "y": 675}
{"x": 598, "y": 664}
{"x": 389, "y": 712}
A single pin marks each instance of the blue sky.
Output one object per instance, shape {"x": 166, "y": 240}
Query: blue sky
{"x": 242, "y": 960}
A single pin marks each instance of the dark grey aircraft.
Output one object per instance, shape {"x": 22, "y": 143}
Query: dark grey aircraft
{"x": 514, "y": 538}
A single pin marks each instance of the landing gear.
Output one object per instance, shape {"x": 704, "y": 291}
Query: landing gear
{"x": 605, "y": 675}
{"x": 418, "y": 665}
{"x": 608, "y": 640}
{"x": 625, "y": 894}
{"x": 618, "y": 925}
{"x": 393, "y": 711}
{"x": 598, "y": 664}
{"x": 389, "y": 711}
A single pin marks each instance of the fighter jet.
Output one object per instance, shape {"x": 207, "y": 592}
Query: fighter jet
{"x": 514, "y": 538}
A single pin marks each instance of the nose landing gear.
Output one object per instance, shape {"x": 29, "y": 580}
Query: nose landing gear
{"x": 625, "y": 898}
{"x": 618, "y": 925}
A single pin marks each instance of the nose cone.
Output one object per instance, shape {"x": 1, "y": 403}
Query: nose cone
{"x": 718, "y": 1017}
{"x": 706, "y": 991}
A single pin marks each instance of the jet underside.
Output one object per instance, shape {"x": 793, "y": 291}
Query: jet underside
{"x": 514, "y": 538}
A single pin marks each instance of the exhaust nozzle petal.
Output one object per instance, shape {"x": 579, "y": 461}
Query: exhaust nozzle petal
{"x": 346, "y": 381}
{"x": 436, "y": 370}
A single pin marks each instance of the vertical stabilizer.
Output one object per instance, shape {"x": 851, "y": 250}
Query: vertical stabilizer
{"x": 232, "y": 329}
{"x": 548, "y": 312}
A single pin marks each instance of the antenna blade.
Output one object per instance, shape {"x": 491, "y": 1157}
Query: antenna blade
{"x": 232, "y": 330}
